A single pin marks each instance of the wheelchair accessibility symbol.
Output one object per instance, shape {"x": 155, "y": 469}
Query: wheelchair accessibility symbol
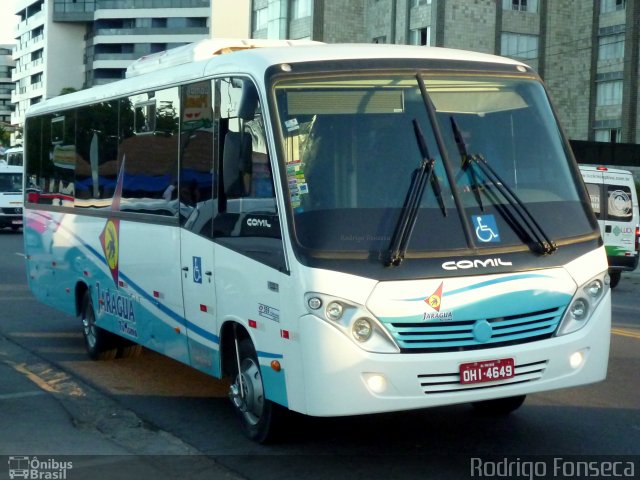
{"x": 197, "y": 269}
{"x": 486, "y": 228}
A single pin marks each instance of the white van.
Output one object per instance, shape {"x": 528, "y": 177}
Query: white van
{"x": 615, "y": 203}
{"x": 14, "y": 156}
{"x": 10, "y": 196}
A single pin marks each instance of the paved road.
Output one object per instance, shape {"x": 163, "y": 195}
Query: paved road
{"x": 601, "y": 419}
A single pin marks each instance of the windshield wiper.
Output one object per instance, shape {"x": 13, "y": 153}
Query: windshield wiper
{"x": 407, "y": 221}
{"x": 462, "y": 149}
{"x": 527, "y": 221}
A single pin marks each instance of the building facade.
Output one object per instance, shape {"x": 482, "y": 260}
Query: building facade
{"x": 587, "y": 52}
{"x": 74, "y": 44}
{"x": 6, "y": 85}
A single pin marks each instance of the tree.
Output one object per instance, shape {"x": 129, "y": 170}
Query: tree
{"x": 5, "y": 135}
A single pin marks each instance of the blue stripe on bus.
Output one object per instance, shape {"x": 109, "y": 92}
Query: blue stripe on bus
{"x": 483, "y": 284}
{"x": 269, "y": 355}
{"x": 167, "y": 311}
{"x": 496, "y": 281}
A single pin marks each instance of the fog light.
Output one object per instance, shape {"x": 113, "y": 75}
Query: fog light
{"x": 376, "y": 382}
{"x": 576, "y": 359}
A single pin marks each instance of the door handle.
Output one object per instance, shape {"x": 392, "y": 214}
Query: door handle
{"x": 209, "y": 273}
{"x": 185, "y": 269}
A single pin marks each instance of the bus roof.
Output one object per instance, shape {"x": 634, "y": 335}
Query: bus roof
{"x": 254, "y": 62}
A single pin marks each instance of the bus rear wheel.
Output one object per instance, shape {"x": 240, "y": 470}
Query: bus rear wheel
{"x": 499, "y": 406}
{"x": 258, "y": 416}
{"x": 100, "y": 344}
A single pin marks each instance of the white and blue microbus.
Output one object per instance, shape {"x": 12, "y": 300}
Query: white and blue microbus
{"x": 337, "y": 229}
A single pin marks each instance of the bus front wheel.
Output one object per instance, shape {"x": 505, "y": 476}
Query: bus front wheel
{"x": 100, "y": 344}
{"x": 258, "y": 416}
{"x": 499, "y": 406}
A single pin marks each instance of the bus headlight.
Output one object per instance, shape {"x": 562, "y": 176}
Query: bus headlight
{"x": 579, "y": 309}
{"x": 362, "y": 329}
{"x": 353, "y": 320}
{"x": 583, "y": 304}
{"x": 334, "y": 311}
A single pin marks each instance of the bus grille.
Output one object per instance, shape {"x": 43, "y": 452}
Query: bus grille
{"x": 433, "y": 384}
{"x": 463, "y": 335}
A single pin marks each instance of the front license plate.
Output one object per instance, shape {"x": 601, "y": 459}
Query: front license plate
{"x": 490, "y": 371}
{"x": 16, "y": 222}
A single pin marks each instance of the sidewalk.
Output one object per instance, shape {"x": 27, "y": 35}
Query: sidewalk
{"x": 50, "y": 422}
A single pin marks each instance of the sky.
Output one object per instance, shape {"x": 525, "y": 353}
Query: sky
{"x": 8, "y": 21}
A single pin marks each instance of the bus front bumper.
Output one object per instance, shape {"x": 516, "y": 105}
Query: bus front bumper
{"x": 342, "y": 379}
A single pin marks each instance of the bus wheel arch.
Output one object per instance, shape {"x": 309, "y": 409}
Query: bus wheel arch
{"x": 228, "y": 358}
{"x": 100, "y": 344}
{"x": 259, "y": 417}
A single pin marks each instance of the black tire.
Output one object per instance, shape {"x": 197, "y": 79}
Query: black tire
{"x": 100, "y": 344}
{"x": 614, "y": 278}
{"x": 499, "y": 406}
{"x": 259, "y": 417}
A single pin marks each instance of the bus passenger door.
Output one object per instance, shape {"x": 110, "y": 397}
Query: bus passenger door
{"x": 196, "y": 194}
{"x": 198, "y": 291}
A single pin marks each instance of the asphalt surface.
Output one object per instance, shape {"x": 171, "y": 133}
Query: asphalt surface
{"x": 53, "y": 424}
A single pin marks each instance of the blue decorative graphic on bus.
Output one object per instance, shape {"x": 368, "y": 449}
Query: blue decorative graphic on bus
{"x": 486, "y": 228}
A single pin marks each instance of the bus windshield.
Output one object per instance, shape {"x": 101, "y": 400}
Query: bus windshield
{"x": 351, "y": 152}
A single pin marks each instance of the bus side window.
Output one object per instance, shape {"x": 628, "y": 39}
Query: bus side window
{"x": 247, "y": 217}
{"x": 197, "y": 195}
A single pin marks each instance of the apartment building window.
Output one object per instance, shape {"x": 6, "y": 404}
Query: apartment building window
{"x": 519, "y": 45}
{"x": 611, "y": 47}
{"x": 260, "y": 18}
{"x": 37, "y": 55}
{"x": 420, "y": 36}
{"x": 159, "y": 22}
{"x": 300, "y": 8}
{"x": 609, "y": 93}
{"x": 37, "y": 32}
{"x": 157, "y": 47}
{"x": 416, "y": 3}
{"x": 37, "y": 78}
{"x": 611, "y": 135}
{"x": 612, "y": 5}
{"x": 520, "y": 5}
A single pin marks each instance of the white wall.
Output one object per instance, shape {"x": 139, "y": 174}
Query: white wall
{"x": 230, "y": 18}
